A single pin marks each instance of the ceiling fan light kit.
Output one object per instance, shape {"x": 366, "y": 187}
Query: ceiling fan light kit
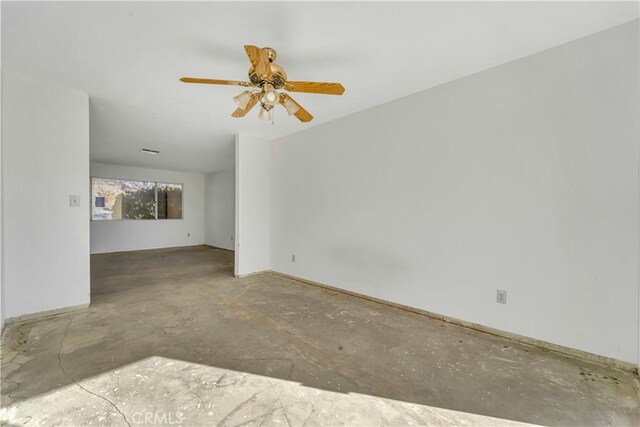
{"x": 266, "y": 78}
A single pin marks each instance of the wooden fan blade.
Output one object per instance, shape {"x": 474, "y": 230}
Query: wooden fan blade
{"x": 214, "y": 81}
{"x": 315, "y": 87}
{"x": 302, "y": 114}
{"x": 240, "y": 112}
{"x": 260, "y": 61}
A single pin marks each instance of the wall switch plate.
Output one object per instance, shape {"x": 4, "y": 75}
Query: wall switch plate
{"x": 501, "y": 297}
{"x": 293, "y": 258}
{"x": 74, "y": 201}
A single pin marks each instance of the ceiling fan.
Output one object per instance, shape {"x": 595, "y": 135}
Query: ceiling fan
{"x": 265, "y": 79}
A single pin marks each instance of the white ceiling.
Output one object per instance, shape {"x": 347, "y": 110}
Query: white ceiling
{"x": 128, "y": 58}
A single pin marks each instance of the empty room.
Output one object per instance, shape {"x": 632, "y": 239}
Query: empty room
{"x": 320, "y": 213}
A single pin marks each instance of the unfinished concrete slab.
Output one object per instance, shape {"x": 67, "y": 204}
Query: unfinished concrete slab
{"x": 171, "y": 392}
{"x": 172, "y": 336}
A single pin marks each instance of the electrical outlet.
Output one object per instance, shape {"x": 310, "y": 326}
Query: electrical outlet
{"x": 501, "y": 297}
{"x": 293, "y": 258}
{"x": 74, "y": 201}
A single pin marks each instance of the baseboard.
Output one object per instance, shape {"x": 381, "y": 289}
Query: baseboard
{"x": 43, "y": 314}
{"x": 217, "y": 248}
{"x": 257, "y": 273}
{"x": 146, "y": 249}
{"x": 567, "y": 351}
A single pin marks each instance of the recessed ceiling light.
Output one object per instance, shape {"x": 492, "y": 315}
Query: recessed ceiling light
{"x": 150, "y": 151}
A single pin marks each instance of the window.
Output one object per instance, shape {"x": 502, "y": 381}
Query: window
{"x": 124, "y": 199}
{"x": 169, "y": 201}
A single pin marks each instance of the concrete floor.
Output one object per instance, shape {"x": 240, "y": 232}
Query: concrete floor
{"x": 173, "y": 338}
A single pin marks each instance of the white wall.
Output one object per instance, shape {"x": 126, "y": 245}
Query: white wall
{"x": 523, "y": 178}
{"x": 1, "y": 209}
{"x": 128, "y": 235}
{"x": 219, "y": 210}
{"x": 253, "y": 174}
{"x": 45, "y": 159}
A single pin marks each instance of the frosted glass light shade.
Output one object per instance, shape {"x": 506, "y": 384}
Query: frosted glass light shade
{"x": 264, "y": 114}
{"x": 270, "y": 97}
{"x": 291, "y": 106}
{"x": 243, "y": 99}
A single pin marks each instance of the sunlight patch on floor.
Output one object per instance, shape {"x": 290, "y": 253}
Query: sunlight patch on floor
{"x": 161, "y": 391}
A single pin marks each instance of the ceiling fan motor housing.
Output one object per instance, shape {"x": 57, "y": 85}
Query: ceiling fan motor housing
{"x": 277, "y": 79}
{"x": 278, "y": 76}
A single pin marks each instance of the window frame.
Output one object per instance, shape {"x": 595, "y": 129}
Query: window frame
{"x": 155, "y": 186}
